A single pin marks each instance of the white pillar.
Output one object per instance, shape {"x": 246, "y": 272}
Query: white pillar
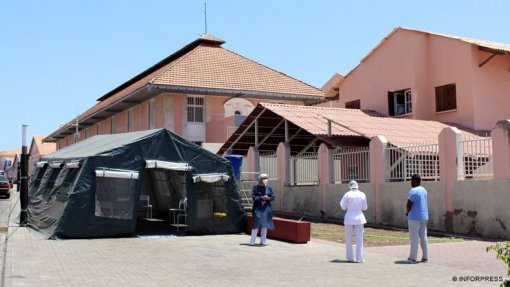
{"x": 325, "y": 164}
{"x": 378, "y": 170}
{"x": 283, "y": 156}
{"x": 501, "y": 149}
{"x": 450, "y": 161}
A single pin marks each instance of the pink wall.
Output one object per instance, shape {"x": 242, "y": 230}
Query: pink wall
{"x": 421, "y": 62}
{"x": 144, "y": 115}
{"x": 450, "y": 62}
{"x": 216, "y": 126}
{"x": 121, "y": 122}
{"x": 492, "y": 87}
{"x": 179, "y": 113}
{"x": 160, "y": 111}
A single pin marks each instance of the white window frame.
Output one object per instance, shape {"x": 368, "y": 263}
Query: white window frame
{"x": 195, "y": 104}
{"x": 408, "y": 102}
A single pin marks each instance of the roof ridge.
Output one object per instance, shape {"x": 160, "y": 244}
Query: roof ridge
{"x": 458, "y": 37}
{"x": 267, "y": 67}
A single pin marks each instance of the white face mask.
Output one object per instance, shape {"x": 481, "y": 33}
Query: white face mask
{"x": 265, "y": 181}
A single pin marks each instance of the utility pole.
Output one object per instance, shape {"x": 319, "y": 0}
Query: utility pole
{"x": 24, "y": 178}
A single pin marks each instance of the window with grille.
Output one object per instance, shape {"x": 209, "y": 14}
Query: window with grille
{"x": 196, "y": 109}
{"x": 446, "y": 98}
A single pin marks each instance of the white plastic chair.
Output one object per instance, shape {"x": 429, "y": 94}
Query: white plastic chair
{"x": 183, "y": 204}
{"x": 179, "y": 213}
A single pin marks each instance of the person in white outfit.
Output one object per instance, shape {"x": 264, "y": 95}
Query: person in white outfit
{"x": 354, "y": 201}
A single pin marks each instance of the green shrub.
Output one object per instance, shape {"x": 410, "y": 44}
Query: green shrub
{"x": 502, "y": 253}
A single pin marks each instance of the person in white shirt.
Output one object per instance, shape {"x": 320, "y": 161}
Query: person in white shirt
{"x": 354, "y": 201}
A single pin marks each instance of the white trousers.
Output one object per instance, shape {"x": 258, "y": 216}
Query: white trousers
{"x": 263, "y": 236}
{"x": 418, "y": 231}
{"x": 348, "y": 229}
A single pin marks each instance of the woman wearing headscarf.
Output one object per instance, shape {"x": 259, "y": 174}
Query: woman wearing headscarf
{"x": 262, "y": 211}
{"x": 354, "y": 201}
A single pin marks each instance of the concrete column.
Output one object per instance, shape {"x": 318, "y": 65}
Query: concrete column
{"x": 325, "y": 163}
{"x": 501, "y": 149}
{"x": 252, "y": 162}
{"x": 283, "y": 156}
{"x": 378, "y": 170}
{"x": 450, "y": 163}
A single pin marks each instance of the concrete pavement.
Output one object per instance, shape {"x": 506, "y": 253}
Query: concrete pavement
{"x": 225, "y": 260}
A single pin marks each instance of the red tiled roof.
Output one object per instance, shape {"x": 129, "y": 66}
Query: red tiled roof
{"x": 215, "y": 67}
{"x": 204, "y": 64}
{"x": 10, "y": 153}
{"x": 44, "y": 148}
{"x": 352, "y": 122}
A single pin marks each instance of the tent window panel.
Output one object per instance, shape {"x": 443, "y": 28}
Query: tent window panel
{"x": 64, "y": 183}
{"x": 47, "y": 182}
{"x": 212, "y": 202}
{"x": 37, "y": 178}
{"x": 114, "y": 197}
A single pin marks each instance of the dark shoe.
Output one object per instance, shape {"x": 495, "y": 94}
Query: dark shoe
{"x": 410, "y": 261}
{"x": 424, "y": 260}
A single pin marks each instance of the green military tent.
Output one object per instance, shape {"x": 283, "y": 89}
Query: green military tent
{"x": 94, "y": 188}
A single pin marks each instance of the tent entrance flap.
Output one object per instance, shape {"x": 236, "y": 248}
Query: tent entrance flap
{"x": 178, "y": 166}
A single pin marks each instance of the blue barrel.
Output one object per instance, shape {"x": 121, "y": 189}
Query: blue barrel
{"x": 237, "y": 162}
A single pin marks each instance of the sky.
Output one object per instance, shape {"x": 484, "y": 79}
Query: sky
{"x": 58, "y": 57}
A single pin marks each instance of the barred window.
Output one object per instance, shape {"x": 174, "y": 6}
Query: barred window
{"x": 195, "y": 109}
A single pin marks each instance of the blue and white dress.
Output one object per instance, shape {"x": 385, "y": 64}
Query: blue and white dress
{"x": 262, "y": 211}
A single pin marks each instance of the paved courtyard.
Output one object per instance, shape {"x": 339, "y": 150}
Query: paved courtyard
{"x": 225, "y": 260}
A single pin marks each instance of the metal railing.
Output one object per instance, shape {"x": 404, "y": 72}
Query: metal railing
{"x": 404, "y": 160}
{"x": 268, "y": 164}
{"x": 304, "y": 169}
{"x": 229, "y": 131}
{"x": 351, "y": 163}
{"x": 477, "y": 158}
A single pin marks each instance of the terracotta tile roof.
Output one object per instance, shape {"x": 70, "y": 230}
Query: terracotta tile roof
{"x": 10, "y": 153}
{"x": 216, "y": 67}
{"x": 203, "y": 63}
{"x": 358, "y": 123}
{"x": 44, "y": 148}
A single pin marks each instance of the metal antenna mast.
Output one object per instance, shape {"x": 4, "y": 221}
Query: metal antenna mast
{"x": 205, "y": 16}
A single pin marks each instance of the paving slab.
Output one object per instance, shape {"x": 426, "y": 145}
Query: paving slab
{"x": 224, "y": 260}
{"x": 220, "y": 260}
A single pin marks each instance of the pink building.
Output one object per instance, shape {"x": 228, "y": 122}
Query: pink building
{"x": 37, "y": 150}
{"x": 422, "y": 75}
{"x": 201, "y": 92}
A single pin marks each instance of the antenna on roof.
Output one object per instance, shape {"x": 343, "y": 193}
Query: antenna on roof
{"x": 205, "y": 17}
